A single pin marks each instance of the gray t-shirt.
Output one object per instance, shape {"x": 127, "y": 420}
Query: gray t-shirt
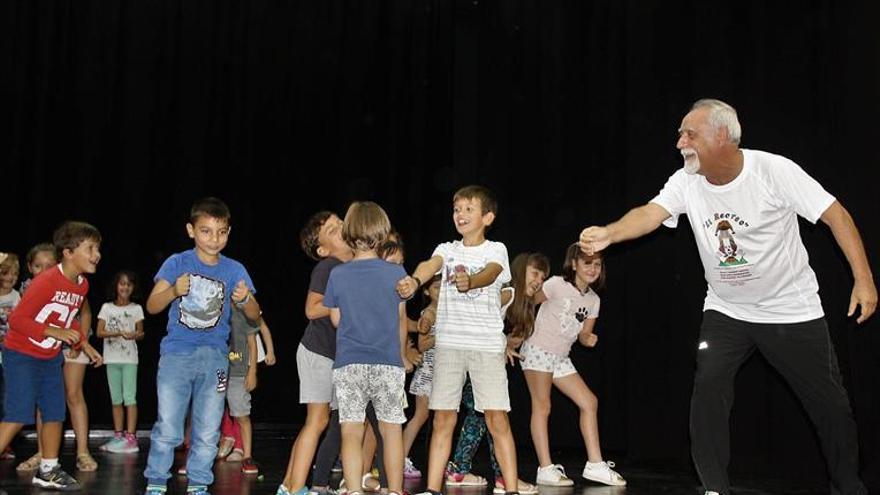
{"x": 238, "y": 349}
{"x": 320, "y": 336}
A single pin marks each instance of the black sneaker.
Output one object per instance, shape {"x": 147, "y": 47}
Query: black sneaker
{"x": 56, "y": 479}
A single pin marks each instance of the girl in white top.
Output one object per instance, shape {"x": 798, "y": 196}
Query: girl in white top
{"x": 121, "y": 324}
{"x": 568, "y": 313}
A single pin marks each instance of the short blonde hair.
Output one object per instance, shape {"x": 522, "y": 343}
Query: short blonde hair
{"x": 366, "y": 225}
{"x": 10, "y": 263}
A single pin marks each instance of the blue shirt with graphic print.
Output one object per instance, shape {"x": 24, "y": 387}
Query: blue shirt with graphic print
{"x": 200, "y": 318}
{"x": 365, "y": 291}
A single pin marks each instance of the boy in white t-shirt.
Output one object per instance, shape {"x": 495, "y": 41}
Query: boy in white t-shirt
{"x": 469, "y": 332}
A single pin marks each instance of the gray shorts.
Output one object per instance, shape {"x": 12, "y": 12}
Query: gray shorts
{"x": 238, "y": 398}
{"x": 488, "y": 377}
{"x": 315, "y": 377}
{"x": 381, "y": 384}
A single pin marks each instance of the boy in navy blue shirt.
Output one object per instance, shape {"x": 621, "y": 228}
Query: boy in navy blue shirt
{"x": 200, "y": 285}
{"x": 371, "y": 330}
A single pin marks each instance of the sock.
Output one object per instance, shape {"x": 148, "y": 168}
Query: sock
{"x": 46, "y": 465}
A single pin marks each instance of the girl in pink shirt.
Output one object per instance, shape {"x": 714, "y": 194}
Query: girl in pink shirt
{"x": 568, "y": 313}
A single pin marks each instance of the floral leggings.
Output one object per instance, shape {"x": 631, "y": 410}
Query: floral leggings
{"x": 473, "y": 429}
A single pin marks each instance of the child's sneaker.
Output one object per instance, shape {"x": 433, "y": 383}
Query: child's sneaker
{"x": 197, "y": 490}
{"x": 155, "y": 490}
{"x": 117, "y": 439}
{"x": 322, "y": 490}
{"x": 248, "y": 466}
{"x": 128, "y": 445}
{"x": 523, "y": 488}
{"x": 553, "y": 475}
{"x": 410, "y": 471}
{"x": 56, "y": 479}
{"x": 601, "y": 472}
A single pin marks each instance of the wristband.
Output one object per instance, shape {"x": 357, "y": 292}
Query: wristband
{"x": 419, "y": 282}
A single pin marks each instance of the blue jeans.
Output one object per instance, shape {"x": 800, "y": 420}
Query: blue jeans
{"x": 199, "y": 375}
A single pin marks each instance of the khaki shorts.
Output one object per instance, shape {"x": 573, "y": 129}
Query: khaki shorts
{"x": 488, "y": 377}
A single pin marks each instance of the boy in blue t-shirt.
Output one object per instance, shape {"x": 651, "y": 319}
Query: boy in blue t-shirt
{"x": 371, "y": 330}
{"x": 199, "y": 285}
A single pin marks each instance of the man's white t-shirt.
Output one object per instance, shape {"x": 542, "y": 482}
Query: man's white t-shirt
{"x": 747, "y": 233}
{"x": 119, "y": 350}
{"x": 471, "y": 320}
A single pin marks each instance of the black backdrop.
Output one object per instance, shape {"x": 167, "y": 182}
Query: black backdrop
{"x": 122, "y": 113}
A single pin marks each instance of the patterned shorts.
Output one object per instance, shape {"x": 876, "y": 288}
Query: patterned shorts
{"x": 423, "y": 376}
{"x": 381, "y": 384}
{"x": 537, "y": 359}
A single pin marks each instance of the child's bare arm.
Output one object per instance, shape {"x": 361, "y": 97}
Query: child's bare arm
{"x": 267, "y": 340}
{"x": 484, "y": 278}
{"x": 101, "y": 330}
{"x": 164, "y": 292}
{"x": 401, "y": 312}
{"x": 586, "y": 336}
{"x": 426, "y": 341}
{"x": 250, "y": 381}
{"x": 315, "y": 308}
{"x": 335, "y": 316}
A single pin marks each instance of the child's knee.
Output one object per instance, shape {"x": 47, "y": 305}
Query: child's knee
{"x": 541, "y": 408}
{"x": 445, "y": 420}
{"x": 497, "y": 422}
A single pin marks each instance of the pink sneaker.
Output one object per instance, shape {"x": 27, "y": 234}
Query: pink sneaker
{"x": 410, "y": 471}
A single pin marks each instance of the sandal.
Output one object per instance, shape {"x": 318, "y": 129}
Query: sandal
{"x": 31, "y": 464}
{"x": 464, "y": 479}
{"x": 85, "y": 462}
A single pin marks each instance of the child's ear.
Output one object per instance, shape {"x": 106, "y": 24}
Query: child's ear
{"x": 488, "y": 218}
{"x": 322, "y": 251}
{"x": 190, "y": 230}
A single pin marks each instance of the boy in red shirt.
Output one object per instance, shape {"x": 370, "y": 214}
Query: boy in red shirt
{"x": 44, "y": 319}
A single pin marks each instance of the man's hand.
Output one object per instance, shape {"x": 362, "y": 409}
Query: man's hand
{"x": 250, "y": 381}
{"x": 181, "y": 285}
{"x": 864, "y": 295}
{"x": 594, "y": 239}
{"x": 270, "y": 358}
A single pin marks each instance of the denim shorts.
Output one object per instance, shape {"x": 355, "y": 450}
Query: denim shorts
{"x": 33, "y": 383}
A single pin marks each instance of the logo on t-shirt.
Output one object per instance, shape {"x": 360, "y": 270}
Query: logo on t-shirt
{"x": 728, "y": 251}
{"x": 202, "y": 307}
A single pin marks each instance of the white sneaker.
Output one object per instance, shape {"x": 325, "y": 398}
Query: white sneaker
{"x": 601, "y": 472}
{"x": 553, "y": 475}
{"x": 710, "y": 492}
